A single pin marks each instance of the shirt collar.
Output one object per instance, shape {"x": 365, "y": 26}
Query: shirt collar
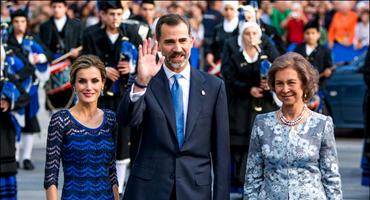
{"x": 184, "y": 73}
{"x": 60, "y": 22}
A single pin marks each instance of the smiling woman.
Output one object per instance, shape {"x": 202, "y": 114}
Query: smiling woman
{"x": 84, "y": 130}
{"x": 292, "y": 153}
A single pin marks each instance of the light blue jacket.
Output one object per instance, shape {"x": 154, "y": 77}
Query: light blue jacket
{"x": 292, "y": 162}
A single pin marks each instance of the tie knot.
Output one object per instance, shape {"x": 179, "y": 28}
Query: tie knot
{"x": 177, "y": 76}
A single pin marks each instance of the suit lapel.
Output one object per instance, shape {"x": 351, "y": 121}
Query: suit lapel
{"x": 161, "y": 90}
{"x": 68, "y": 35}
{"x": 196, "y": 94}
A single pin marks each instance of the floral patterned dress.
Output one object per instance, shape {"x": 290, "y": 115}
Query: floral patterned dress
{"x": 292, "y": 162}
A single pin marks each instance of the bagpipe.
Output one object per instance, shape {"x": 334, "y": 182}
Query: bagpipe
{"x": 14, "y": 90}
{"x": 129, "y": 53}
{"x": 31, "y": 46}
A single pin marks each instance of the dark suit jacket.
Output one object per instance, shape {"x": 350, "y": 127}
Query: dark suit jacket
{"x": 73, "y": 34}
{"x": 160, "y": 165}
{"x": 320, "y": 58}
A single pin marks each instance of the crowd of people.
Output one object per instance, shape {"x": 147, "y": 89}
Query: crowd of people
{"x": 175, "y": 92}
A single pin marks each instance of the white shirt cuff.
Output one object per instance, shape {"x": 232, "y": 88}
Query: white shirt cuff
{"x": 135, "y": 96}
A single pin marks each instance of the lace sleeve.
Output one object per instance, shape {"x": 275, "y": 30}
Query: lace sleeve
{"x": 53, "y": 150}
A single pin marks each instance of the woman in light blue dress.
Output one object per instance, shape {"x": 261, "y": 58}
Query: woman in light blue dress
{"x": 292, "y": 152}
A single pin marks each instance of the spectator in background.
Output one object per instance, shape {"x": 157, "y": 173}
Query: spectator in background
{"x": 266, "y": 9}
{"x": 175, "y": 8}
{"x": 211, "y": 18}
{"x": 227, "y": 29}
{"x": 294, "y": 24}
{"x": 127, "y": 12}
{"x": 249, "y": 14}
{"x": 343, "y": 25}
{"x": 322, "y": 18}
{"x": 146, "y": 14}
{"x": 88, "y": 14}
{"x": 197, "y": 31}
{"x": 270, "y": 32}
{"x": 5, "y": 14}
{"x": 40, "y": 12}
{"x": 279, "y": 13}
{"x": 362, "y": 30}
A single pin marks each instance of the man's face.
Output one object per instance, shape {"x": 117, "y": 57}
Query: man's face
{"x": 19, "y": 24}
{"x": 311, "y": 36}
{"x": 175, "y": 44}
{"x": 113, "y": 18}
{"x": 147, "y": 11}
{"x": 59, "y": 10}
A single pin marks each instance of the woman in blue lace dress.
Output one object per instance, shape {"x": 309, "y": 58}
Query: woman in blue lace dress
{"x": 82, "y": 138}
{"x": 292, "y": 152}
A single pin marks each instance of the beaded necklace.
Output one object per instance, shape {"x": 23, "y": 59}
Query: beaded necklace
{"x": 294, "y": 121}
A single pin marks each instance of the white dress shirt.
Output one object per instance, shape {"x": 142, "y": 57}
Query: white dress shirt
{"x": 184, "y": 82}
{"x": 59, "y": 23}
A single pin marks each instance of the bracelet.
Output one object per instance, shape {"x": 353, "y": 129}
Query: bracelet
{"x": 139, "y": 85}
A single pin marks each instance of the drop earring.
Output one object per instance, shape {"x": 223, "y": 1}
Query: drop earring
{"x": 101, "y": 91}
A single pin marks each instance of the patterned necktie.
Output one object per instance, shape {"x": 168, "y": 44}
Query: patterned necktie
{"x": 176, "y": 93}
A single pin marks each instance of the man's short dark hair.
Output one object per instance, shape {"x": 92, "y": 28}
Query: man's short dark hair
{"x": 312, "y": 24}
{"x": 106, "y": 5}
{"x": 147, "y": 2}
{"x": 171, "y": 20}
{"x": 18, "y": 13}
{"x": 58, "y": 1}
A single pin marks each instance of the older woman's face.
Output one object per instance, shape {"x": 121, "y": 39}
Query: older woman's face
{"x": 288, "y": 86}
{"x": 251, "y": 36}
{"x": 88, "y": 85}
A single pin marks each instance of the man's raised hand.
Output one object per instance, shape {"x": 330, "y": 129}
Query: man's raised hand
{"x": 147, "y": 65}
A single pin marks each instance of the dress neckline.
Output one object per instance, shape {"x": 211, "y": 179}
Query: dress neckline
{"x": 84, "y": 126}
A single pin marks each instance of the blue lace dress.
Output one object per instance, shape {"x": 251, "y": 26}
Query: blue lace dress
{"x": 87, "y": 155}
{"x": 287, "y": 162}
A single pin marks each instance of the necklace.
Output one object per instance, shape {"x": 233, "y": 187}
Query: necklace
{"x": 294, "y": 121}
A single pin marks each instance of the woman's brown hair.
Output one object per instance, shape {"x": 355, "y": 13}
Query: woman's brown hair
{"x": 84, "y": 62}
{"x": 308, "y": 75}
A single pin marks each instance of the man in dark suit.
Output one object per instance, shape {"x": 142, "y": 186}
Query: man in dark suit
{"x": 183, "y": 115}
